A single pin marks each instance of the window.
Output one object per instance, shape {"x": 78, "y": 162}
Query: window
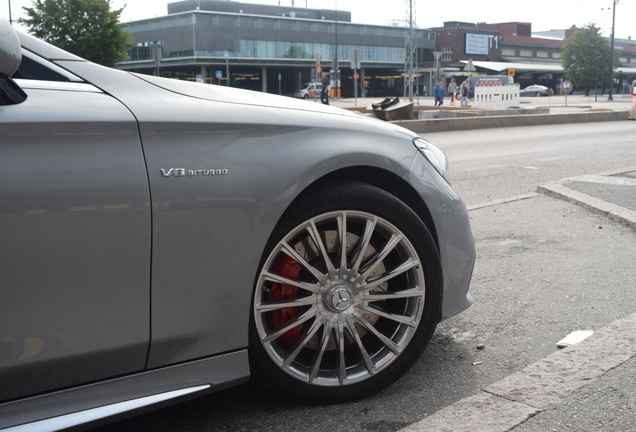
{"x": 31, "y": 70}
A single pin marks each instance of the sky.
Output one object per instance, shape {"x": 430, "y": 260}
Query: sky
{"x": 543, "y": 14}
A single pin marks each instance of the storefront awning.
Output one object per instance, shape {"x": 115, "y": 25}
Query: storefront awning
{"x": 520, "y": 68}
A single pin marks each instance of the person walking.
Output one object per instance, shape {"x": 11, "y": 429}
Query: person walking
{"x": 438, "y": 92}
{"x": 452, "y": 91}
{"x": 463, "y": 95}
{"x": 324, "y": 91}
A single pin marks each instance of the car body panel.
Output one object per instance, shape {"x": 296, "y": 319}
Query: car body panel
{"x": 75, "y": 242}
{"x": 457, "y": 251}
{"x": 220, "y": 372}
{"x": 246, "y": 141}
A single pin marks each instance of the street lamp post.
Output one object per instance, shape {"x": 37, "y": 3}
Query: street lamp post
{"x": 609, "y": 97}
{"x": 336, "y": 66}
{"x": 227, "y": 66}
{"x": 10, "y": 19}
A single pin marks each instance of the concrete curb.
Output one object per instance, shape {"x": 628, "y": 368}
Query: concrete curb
{"x": 506, "y": 404}
{"x": 483, "y": 122}
{"x": 614, "y": 212}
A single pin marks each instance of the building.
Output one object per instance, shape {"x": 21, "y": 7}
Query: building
{"x": 513, "y": 49}
{"x": 270, "y": 48}
{"x": 277, "y": 49}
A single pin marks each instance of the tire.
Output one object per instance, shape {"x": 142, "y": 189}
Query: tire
{"x": 305, "y": 96}
{"x": 342, "y": 328}
{"x": 538, "y": 94}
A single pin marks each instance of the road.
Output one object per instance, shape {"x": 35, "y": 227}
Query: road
{"x": 544, "y": 269}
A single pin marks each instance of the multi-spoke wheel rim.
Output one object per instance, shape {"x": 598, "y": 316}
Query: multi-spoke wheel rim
{"x": 339, "y": 298}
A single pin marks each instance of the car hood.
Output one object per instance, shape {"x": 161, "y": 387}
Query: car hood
{"x": 219, "y": 93}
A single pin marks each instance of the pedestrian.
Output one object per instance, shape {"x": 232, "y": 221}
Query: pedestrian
{"x": 452, "y": 91}
{"x": 463, "y": 95}
{"x": 324, "y": 91}
{"x": 438, "y": 92}
{"x": 632, "y": 114}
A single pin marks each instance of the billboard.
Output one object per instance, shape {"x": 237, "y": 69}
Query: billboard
{"x": 477, "y": 44}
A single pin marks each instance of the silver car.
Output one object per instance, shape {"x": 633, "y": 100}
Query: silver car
{"x": 163, "y": 239}
{"x": 536, "y": 90}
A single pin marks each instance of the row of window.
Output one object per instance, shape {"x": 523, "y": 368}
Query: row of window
{"x": 529, "y": 53}
{"x": 280, "y": 49}
{"x": 270, "y": 24}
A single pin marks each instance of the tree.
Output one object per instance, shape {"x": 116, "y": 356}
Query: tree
{"x": 586, "y": 58}
{"x": 86, "y": 28}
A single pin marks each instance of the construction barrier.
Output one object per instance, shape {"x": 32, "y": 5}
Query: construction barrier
{"x": 496, "y": 95}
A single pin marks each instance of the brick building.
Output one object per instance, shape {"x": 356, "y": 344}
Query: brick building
{"x": 512, "y": 48}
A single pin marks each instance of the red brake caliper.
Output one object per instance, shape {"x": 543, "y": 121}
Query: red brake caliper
{"x": 288, "y": 267}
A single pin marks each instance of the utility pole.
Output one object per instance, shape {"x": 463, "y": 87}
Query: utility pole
{"x": 335, "y": 61}
{"x": 609, "y": 97}
{"x": 410, "y": 52}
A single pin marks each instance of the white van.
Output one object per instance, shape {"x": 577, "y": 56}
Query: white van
{"x": 309, "y": 90}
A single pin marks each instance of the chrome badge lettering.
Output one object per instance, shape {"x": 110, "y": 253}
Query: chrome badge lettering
{"x": 182, "y": 172}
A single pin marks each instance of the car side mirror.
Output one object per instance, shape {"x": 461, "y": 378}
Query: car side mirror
{"x": 10, "y": 58}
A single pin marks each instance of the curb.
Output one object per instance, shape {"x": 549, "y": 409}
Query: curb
{"x": 506, "y": 404}
{"x": 484, "y": 122}
{"x": 614, "y": 212}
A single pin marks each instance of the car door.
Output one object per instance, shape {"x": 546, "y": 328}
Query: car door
{"x": 75, "y": 233}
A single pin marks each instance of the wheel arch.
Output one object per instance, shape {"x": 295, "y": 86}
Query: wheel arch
{"x": 382, "y": 179}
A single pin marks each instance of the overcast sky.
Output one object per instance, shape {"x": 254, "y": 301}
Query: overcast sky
{"x": 543, "y": 14}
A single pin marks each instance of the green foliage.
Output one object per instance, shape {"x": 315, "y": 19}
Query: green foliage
{"x": 586, "y": 57}
{"x": 87, "y": 28}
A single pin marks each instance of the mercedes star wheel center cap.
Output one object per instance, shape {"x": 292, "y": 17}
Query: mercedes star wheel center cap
{"x": 340, "y": 299}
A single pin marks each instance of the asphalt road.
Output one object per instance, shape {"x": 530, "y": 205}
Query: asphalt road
{"x": 545, "y": 268}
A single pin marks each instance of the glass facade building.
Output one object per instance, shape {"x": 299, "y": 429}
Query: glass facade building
{"x": 274, "y": 48}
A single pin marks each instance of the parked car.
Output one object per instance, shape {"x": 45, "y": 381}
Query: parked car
{"x": 162, "y": 239}
{"x": 309, "y": 90}
{"x": 536, "y": 90}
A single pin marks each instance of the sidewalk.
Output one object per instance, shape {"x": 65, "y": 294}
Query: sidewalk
{"x": 544, "y": 396}
{"x": 587, "y": 387}
{"x": 531, "y": 111}
{"x": 574, "y": 103}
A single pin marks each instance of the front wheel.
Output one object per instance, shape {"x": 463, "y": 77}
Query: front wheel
{"x": 347, "y": 296}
